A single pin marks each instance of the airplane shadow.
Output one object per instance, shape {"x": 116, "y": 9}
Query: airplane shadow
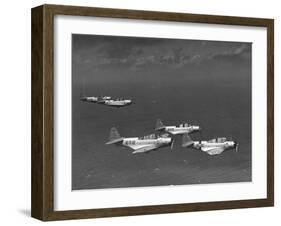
{"x": 25, "y": 212}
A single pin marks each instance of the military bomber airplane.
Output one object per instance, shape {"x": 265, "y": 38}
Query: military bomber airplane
{"x": 211, "y": 147}
{"x": 107, "y": 100}
{"x": 176, "y": 130}
{"x": 140, "y": 144}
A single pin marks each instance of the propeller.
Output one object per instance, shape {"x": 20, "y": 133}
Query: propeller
{"x": 200, "y": 134}
{"x": 236, "y": 144}
{"x": 132, "y": 102}
{"x": 236, "y": 148}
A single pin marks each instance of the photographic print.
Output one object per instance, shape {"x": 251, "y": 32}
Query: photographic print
{"x": 146, "y": 112}
{"x": 159, "y": 112}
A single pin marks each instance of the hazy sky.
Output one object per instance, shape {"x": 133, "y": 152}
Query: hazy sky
{"x": 108, "y": 52}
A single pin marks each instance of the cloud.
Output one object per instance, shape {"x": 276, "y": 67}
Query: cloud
{"x": 101, "y": 52}
{"x": 241, "y": 52}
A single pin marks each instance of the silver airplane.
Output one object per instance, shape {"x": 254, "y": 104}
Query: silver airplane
{"x": 175, "y": 130}
{"x": 140, "y": 144}
{"x": 107, "y": 100}
{"x": 116, "y": 103}
{"x": 95, "y": 99}
{"x": 211, "y": 147}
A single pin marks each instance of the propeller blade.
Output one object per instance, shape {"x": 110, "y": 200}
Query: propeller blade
{"x": 172, "y": 144}
{"x": 236, "y": 149}
{"x": 200, "y": 133}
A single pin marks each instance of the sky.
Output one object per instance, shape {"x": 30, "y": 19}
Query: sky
{"x": 135, "y": 54}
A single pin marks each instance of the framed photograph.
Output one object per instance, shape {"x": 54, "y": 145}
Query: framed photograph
{"x": 141, "y": 112}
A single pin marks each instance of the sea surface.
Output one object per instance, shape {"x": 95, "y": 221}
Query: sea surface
{"x": 215, "y": 95}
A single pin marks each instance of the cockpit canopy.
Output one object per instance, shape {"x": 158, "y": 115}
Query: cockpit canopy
{"x": 217, "y": 140}
{"x": 148, "y": 137}
{"x": 164, "y": 135}
{"x": 183, "y": 125}
{"x": 153, "y": 136}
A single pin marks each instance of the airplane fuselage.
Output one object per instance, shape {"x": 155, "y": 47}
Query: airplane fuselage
{"x": 95, "y": 99}
{"x": 145, "y": 145}
{"x": 136, "y": 141}
{"x": 90, "y": 99}
{"x": 117, "y": 103}
{"x": 180, "y": 130}
{"x": 206, "y": 144}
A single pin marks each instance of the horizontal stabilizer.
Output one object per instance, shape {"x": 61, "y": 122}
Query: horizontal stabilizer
{"x": 144, "y": 149}
{"x": 159, "y": 125}
{"x": 114, "y": 136}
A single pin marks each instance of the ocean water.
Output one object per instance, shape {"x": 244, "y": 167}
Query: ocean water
{"x": 215, "y": 95}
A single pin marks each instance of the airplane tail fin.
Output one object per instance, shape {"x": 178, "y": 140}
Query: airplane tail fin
{"x": 159, "y": 125}
{"x": 186, "y": 140}
{"x": 100, "y": 100}
{"x": 114, "y": 136}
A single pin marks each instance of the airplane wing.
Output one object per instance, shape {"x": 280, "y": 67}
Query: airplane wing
{"x": 176, "y": 132}
{"x": 101, "y": 101}
{"x": 115, "y": 104}
{"x": 172, "y": 132}
{"x": 142, "y": 148}
{"x": 213, "y": 150}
